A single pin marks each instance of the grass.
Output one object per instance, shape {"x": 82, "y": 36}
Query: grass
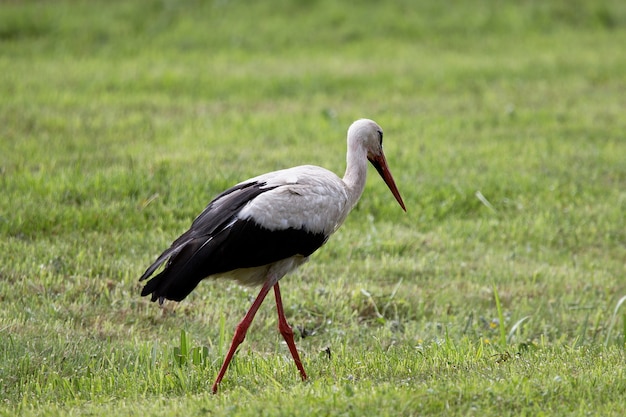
{"x": 500, "y": 292}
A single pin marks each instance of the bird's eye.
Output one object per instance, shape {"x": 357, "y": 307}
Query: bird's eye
{"x": 380, "y": 137}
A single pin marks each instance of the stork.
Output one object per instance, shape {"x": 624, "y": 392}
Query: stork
{"x": 264, "y": 227}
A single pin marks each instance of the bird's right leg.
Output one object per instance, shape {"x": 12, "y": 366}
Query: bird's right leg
{"x": 287, "y": 332}
{"x": 240, "y": 331}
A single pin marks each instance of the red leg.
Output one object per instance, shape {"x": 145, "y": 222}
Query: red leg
{"x": 240, "y": 333}
{"x": 287, "y": 332}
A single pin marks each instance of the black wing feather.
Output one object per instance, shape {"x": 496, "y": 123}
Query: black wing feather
{"x": 211, "y": 219}
{"x": 218, "y": 242}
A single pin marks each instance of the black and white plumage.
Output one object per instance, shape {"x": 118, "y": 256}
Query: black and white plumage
{"x": 262, "y": 228}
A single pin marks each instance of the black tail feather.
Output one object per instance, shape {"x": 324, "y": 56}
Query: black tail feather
{"x": 171, "y": 252}
{"x": 178, "y": 278}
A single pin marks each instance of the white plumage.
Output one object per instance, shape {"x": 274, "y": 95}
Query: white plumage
{"x": 306, "y": 197}
{"x": 262, "y": 228}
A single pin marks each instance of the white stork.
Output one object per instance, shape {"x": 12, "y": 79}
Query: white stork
{"x": 263, "y": 228}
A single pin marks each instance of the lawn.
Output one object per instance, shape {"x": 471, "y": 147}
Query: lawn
{"x": 499, "y": 292}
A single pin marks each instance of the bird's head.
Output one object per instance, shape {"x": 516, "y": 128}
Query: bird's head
{"x": 369, "y": 135}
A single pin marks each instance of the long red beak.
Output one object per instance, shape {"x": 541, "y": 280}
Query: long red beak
{"x": 380, "y": 163}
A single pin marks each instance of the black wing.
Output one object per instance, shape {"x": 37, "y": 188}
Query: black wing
{"x": 218, "y": 242}
{"x": 214, "y": 217}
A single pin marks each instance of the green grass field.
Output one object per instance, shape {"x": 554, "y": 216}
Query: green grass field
{"x": 498, "y": 293}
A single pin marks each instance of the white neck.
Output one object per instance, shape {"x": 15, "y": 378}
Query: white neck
{"x": 356, "y": 172}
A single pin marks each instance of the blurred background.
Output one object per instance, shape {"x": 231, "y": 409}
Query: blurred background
{"x": 504, "y": 129}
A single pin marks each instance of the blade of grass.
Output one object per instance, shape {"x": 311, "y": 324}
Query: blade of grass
{"x": 515, "y": 327}
{"x": 613, "y": 320}
{"x": 500, "y": 318}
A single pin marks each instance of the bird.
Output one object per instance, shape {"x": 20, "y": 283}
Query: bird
{"x": 265, "y": 227}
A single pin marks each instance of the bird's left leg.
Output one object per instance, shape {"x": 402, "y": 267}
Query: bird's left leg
{"x": 287, "y": 332}
{"x": 240, "y": 332}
